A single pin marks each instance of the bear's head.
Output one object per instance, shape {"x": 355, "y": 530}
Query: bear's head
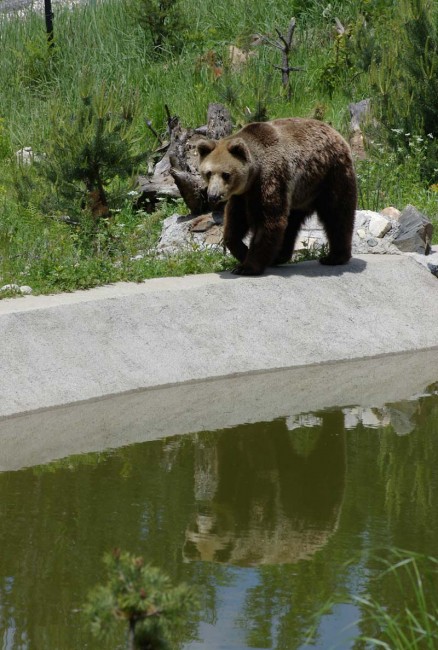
{"x": 226, "y": 166}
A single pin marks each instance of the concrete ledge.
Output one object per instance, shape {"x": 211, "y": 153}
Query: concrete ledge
{"x": 57, "y": 350}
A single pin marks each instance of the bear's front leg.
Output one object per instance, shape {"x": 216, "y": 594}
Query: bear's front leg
{"x": 264, "y": 248}
{"x": 268, "y": 213}
{"x": 236, "y": 227}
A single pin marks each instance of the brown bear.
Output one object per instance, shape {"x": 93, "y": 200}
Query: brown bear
{"x": 272, "y": 175}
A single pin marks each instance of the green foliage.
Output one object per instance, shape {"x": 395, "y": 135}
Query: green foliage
{"x": 405, "y": 77}
{"x": 394, "y": 176}
{"x": 5, "y": 145}
{"x": 35, "y": 63}
{"x": 415, "y": 624}
{"x": 338, "y": 67}
{"x": 142, "y": 597}
{"x": 89, "y": 149}
{"x": 163, "y": 21}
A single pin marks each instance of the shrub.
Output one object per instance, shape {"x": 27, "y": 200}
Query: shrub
{"x": 142, "y": 597}
{"x": 90, "y": 149}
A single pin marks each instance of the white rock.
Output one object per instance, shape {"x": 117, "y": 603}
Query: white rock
{"x": 24, "y": 156}
{"x": 362, "y": 218}
{"x": 10, "y": 287}
{"x": 313, "y": 223}
{"x": 370, "y": 418}
{"x": 361, "y": 233}
{"x": 351, "y": 418}
{"x": 303, "y": 420}
{"x": 26, "y": 290}
{"x": 379, "y": 225}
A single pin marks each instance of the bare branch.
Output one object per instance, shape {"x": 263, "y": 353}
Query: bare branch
{"x": 285, "y": 45}
{"x": 151, "y": 128}
{"x": 282, "y": 39}
{"x": 290, "y": 68}
{"x": 290, "y": 33}
{"x": 271, "y": 42}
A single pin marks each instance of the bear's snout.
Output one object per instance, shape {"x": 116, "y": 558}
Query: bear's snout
{"x": 214, "y": 198}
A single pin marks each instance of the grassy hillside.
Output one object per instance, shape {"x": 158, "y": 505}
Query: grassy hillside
{"x": 116, "y": 64}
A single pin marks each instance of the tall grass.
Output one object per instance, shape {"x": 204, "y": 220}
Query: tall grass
{"x": 415, "y": 625}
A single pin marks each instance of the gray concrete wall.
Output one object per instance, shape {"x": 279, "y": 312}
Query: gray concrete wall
{"x": 61, "y": 349}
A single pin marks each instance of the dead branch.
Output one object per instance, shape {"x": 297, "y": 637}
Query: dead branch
{"x": 284, "y": 44}
{"x": 153, "y": 131}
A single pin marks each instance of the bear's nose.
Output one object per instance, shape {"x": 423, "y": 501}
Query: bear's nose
{"x": 214, "y": 198}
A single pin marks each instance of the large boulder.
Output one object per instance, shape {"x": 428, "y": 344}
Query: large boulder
{"x": 415, "y": 232}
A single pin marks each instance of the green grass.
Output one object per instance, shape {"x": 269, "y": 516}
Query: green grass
{"x": 101, "y": 44}
{"x": 414, "y": 625}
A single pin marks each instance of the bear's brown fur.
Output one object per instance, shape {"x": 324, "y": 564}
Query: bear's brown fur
{"x": 272, "y": 175}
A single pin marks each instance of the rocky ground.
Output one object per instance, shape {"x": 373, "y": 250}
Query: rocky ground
{"x": 389, "y": 232}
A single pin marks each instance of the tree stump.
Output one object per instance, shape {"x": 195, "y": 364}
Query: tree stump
{"x": 177, "y": 172}
{"x": 219, "y": 123}
{"x": 184, "y": 158}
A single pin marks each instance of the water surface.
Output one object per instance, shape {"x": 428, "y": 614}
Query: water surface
{"x": 269, "y": 520}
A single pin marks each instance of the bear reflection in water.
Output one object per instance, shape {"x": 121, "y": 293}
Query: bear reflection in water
{"x": 267, "y": 495}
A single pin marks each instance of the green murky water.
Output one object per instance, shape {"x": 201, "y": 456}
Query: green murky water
{"x": 262, "y": 518}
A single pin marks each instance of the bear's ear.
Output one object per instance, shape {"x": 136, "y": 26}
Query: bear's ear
{"x": 205, "y": 147}
{"x": 239, "y": 149}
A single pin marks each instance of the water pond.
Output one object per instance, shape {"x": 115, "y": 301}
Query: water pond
{"x": 269, "y": 520}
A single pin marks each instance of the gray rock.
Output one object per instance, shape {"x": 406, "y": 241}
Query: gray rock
{"x": 415, "y": 234}
{"x": 433, "y": 268}
{"x": 430, "y": 261}
{"x": 177, "y": 235}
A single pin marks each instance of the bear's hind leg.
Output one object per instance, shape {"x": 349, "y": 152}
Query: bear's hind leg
{"x": 236, "y": 227}
{"x": 336, "y": 211}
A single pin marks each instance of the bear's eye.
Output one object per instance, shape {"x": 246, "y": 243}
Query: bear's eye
{"x": 226, "y": 176}
{"x": 208, "y": 175}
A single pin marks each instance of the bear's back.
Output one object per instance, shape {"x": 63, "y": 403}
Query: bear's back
{"x": 297, "y": 132}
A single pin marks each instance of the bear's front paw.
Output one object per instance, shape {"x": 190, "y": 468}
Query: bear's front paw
{"x": 333, "y": 259}
{"x": 241, "y": 269}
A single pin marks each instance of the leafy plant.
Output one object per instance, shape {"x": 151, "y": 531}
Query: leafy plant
{"x": 391, "y": 176}
{"x": 405, "y": 79}
{"x": 163, "y": 20}
{"x": 91, "y": 148}
{"x": 142, "y": 597}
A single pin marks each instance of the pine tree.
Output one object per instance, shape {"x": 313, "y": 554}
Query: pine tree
{"x": 90, "y": 148}
{"x": 141, "y": 596}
